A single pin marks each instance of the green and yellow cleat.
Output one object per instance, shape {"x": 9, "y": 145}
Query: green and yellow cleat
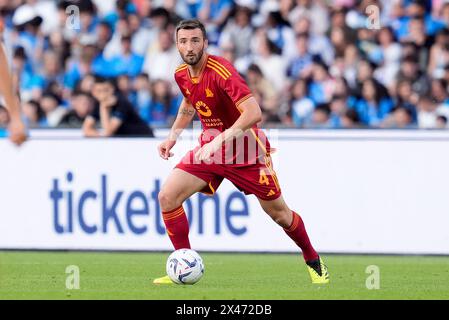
{"x": 163, "y": 280}
{"x": 318, "y": 271}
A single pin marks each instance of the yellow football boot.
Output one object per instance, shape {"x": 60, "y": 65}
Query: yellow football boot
{"x": 163, "y": 280}
{"x": 318, "y": 271}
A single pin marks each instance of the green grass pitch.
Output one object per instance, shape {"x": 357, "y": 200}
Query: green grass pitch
{"x": 42, "y": 275}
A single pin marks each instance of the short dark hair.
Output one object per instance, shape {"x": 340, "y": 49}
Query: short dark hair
{"x": 407, "y": 110}
{"x": 255, "y": 68}
{"x": 323, "y": 107}
{"x": 77, "y": 93}
{"x": 191, "y": 24}
{"x": 19, "y": 53}
{"x": 352, "y": 115}
{"x": 126, "y": 38}
{"x": 410, "y": 59}
{"x": 442, "y": 118}
{"x": 52, "y": 95}
{"x": 302, "y": 35}
{"x": 426, "y": 98}
{"x": 143, "y": 75}
{"x": 102, "y": 79}
{"x": 106, "y": 80}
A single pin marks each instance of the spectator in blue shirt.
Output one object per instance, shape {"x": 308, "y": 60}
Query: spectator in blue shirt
{"x": 88, "y": 21}
{"x": 53, "y": 112}
{"x": 322, "y": 86}
{"x": 350, "y": 120}
{"x": 320, "y": 117}
{"x": 301, "y": 105}
{"x": 338, "y": 107}
{"x": 128, "y": 62}
{"x": 51, "y": 72}
{"x": 214, "y": 14}
{"x": 193, "y": 7}
{"x": 438, "y": 91}
{"x": 27, "y": 23}
{"x": 163, "y": 107}
{"x": 23, "y": 69}
{"x": 124, "y": 8}
{"x": 407, "y": 98}
{"x": 32, "y": 114}
{"x": 125, "y": 88}
{"x": 410, "y": 70}
{"x": 400, "y": 118}
{"x": 303, "y": 59}
{"x": 416, "y": 8}
{"x": 280, "y": 33}
{"x": 81, "y": 67}
{"x": 372, "y": 107}
{"x": 142, "y": 87}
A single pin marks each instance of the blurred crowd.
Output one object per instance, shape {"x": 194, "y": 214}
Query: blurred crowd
{"x": 310, "y": 64}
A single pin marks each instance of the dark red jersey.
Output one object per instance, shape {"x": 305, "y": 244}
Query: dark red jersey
{"x": 216, "y": 95}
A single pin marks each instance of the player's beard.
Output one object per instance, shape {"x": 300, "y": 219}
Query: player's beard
{"x": 194, "y": 58}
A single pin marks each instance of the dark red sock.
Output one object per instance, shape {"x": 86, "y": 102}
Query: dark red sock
{"x": 297, "y": 231}
{"x": 177, "y": 227}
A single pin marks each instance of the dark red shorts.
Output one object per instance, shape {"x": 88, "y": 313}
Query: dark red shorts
{"x": 258, "y": 179}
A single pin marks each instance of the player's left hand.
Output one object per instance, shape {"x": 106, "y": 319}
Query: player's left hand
{"x": 206, "y": 151}
{"x": 17, "y": 132}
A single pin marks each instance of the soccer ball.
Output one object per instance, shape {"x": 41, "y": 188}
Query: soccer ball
{"x": 185, "y": 266}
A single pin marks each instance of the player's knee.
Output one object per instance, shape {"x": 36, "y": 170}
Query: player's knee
{"x": 282, "y": 217}
{"x": 282, "y": 221}
{"x": 167, "y": 201}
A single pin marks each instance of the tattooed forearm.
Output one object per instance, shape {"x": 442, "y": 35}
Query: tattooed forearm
{"x": 186, "y": 112}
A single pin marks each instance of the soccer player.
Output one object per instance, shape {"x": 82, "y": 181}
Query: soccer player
{"x": 215, "y": 91}
{"x": 16, "y": 127}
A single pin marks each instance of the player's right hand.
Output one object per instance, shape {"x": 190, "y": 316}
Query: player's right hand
{"x": 17, "y": 132}
{"x": 165, "y": 147}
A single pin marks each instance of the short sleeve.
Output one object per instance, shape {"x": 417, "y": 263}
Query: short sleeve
{"x": 121, "y": 110}
{"x": 180, "y": 85}
{"x": 95, "y": 114}
{"x": 236, "y": 87}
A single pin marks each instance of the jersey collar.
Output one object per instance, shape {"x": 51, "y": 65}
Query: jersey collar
{"x": 196, "y": 80}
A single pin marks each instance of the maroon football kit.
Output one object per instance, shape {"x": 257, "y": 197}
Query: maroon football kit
{"x": 216, "y": 95}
